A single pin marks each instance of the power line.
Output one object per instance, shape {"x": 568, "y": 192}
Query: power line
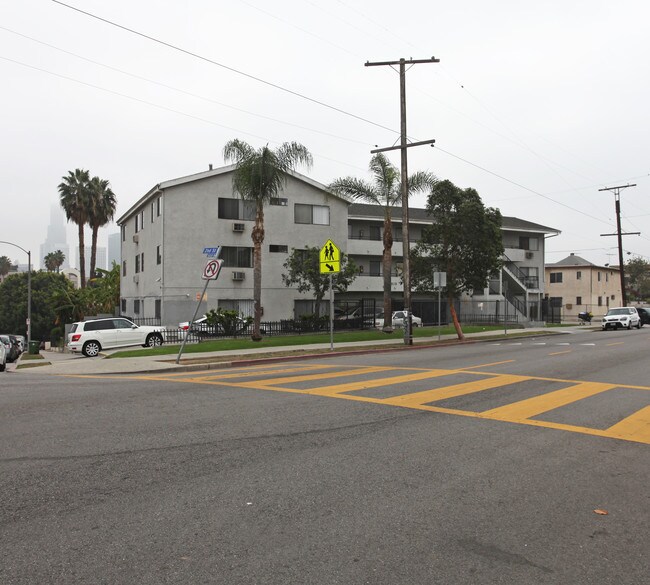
{"x": 182, "y": 91}
{"x": 227, "y": 67}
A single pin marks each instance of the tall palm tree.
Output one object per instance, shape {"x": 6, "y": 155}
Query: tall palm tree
{"x": 102, "y": 211}
{"x": 385, "y": 190}
{"x": 258, "y": 176}
{"x": 75, "y": 201}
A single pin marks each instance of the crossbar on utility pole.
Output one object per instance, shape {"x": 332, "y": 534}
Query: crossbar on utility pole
{"x": 619, "y": 234}
{"x": 406, "y": 272}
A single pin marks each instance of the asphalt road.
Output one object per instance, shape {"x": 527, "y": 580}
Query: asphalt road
{"x": 484, "y": 463}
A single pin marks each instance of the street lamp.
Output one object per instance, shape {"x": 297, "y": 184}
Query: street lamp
{"x": 29, "y": 288}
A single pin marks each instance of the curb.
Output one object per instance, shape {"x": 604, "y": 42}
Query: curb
{"x": 272, "y": 359}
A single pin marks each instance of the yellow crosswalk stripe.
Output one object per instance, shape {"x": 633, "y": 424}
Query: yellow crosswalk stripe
{"x": 322, "y": 376}
{"x": 524, "y": 409}
{"x": 416, "y": 399}
{"x": 365, "y": 384}
{"x": 635, "y": 427}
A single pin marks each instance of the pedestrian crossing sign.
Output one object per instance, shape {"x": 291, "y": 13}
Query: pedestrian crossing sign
{"x": 330, "y": 258}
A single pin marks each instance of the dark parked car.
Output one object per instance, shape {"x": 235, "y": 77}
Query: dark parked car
{"x": 644, "y": 313}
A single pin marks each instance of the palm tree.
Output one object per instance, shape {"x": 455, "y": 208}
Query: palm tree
{"x": 258, "y": 176}
{"x": 54, "y": 260}
{"x": 5, "y": 265}
{"x": 102, "y": 211}
{"x": 50, "y": 263}
{"x": 59, "y": 259}
{"x": 75, "y": 201}
{"x": 385, "y": 190}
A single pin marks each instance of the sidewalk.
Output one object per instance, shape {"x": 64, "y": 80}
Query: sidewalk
{"x": 66, "y": 364}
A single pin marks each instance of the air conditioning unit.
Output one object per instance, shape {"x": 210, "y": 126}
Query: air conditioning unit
{"x": 529, "y": 255}
{"x": 238, "y": 275}
{"x": 136, "y": 238}
{"x": 238, "y": 227}
{"x": 136, "y": 279}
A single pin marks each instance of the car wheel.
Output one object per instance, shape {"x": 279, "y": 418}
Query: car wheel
{"x": 629, "y": 326}
{"x": 154, "y": 340}
{"x": 3, "y": 367}
{"x": 638, "y": 325}
{"x": 91, "y": 348}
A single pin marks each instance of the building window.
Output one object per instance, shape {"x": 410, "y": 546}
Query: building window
{"x": 600, "y": 301}
{"x": 123, "y": 267}
{"x": 229, "y": 208}
{"x": 142, "y": 262}
{"x": 158, "y": 255}
{"x": 613, "y": 297}
{"x": 142, "y": 220}
{"x": 527, "y": 243}
{"x": 312, "y": 214}
{"x": 375, "y": 232}
{"x": 137, "y": 263}
{"x": 136, "y": 306}
{"x": 137, "y": 223}
{"x": 598, "y": 276}
{"x": 123, "y": 305}
{"x": 606, "y": 277}
{"x": 556, "y": 277}
{"x": 374, "y": 268}
{"x": 123, "y": 231}
{"x": 159, "y": 206}
{"x": 244, "y": 307}
{"x": 152, "y": 211}
{"x": 578, "y": 300}
{"x": 157, "y": 309}
{"x": 237, "y": 257}
{"x": 278, "y": 248}
{"x": 578, "y": 275}
{"x": 282, "y": 201}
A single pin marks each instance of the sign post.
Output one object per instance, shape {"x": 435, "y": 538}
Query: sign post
{"x": 210, "y": 272}
{"x": 439, "y": 281}
{"x": 330, "y": 263}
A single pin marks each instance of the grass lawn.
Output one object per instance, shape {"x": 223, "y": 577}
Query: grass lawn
{"x": 293, "y": 340}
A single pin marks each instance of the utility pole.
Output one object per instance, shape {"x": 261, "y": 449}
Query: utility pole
{"x": 406, "y": 272}
{"x": 619, "y": 234}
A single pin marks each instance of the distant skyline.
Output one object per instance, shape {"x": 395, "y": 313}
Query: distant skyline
{"x": 536, "y": 106}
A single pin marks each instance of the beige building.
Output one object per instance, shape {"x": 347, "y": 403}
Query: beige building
{"x": 574, "y": 285}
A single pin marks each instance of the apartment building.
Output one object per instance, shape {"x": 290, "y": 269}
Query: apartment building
{"x": 164, "y": 235}
{"x": 575, "y": 285}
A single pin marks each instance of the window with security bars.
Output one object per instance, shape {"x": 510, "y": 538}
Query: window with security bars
{"x": 237, "y": 257}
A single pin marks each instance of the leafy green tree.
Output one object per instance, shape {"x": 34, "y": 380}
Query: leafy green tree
{"x": 464, "y": 241}
{"x": 637, "y": 273}
{"x": 5, "y": 265}
{"x": 54, "y": 260}
{"x": 13, "y": 302}
{"x": 259, "y": 175}
{"x": 385, "y": 190}
{"x": 102, "y": 210}
{"x": 303, "y": 272}
{"x": 75, "y": 200}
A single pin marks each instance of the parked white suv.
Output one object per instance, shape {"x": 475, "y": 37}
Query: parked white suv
{"x": 621, "y": 317}
{"x": 90, "y": 337}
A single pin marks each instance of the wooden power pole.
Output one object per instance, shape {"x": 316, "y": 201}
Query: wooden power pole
{"x": 406, "y": 274}
{"x": 619, "y": 234}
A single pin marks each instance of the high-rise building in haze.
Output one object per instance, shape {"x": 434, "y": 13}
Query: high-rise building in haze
{"x": 114, "y": 252}
{"x": 56, "y": 238}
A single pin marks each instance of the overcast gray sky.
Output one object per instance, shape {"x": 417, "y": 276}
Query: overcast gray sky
{"x": 536, "y": 105}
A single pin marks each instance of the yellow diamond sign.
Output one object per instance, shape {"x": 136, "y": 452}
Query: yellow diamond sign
{"x": 330, "y": 258}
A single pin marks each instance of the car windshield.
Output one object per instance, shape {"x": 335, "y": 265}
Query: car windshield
{"x": 618, "y": 312}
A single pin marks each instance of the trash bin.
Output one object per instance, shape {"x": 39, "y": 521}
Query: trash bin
{"x": 33, "y": 347}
